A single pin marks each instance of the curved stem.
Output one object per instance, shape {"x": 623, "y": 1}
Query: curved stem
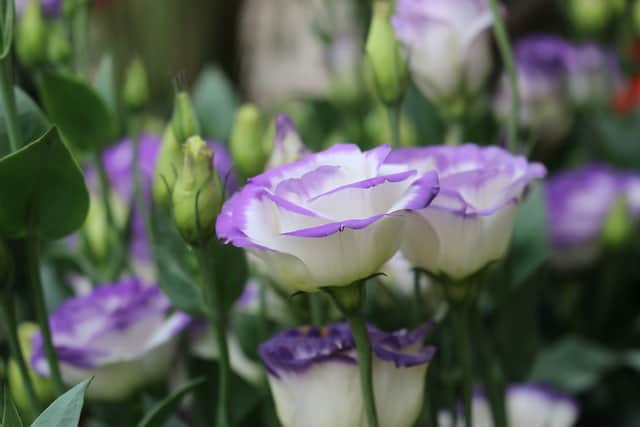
{"x": 33, "y": 271}
{"x": 8, "y": 316}
{"x": 363, "y": 348}
{"x": 217, "y": 325}
{"x": 504, "y": 46}
{"x": 7, "y": 95}
{"x": 459, "y": 316}
{"x": 394, "y": 112}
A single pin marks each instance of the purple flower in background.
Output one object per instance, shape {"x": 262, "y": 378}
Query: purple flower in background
{"x": 527, "y": 406}
{"x": 120, "y": 332}
{"x": 287, "y": 145}
{"x": 51, "y": 8}
{"x": 543, "y": 63}
{"x": 595, "y": 74}
{"x": 330, "y": 219}
{"x": 469, "y": 223}
{"x": 314, "y": 378}
{"x": 447, "y": 43}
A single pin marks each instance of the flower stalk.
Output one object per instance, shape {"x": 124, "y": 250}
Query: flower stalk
{"x": 460, "y": 322}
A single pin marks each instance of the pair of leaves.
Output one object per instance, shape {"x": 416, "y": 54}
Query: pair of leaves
{"x": 44, "y": 192}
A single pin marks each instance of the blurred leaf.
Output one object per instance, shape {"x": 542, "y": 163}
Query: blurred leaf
{"x": 78, "y": 110}
{"x": 9, "y": 416}
{"x": 231, "y": 270}
{"x": 215, "y": 103}
{"x": 618, "y": 138}
{"x": 573, "y": 365}
{"x": 632, "y": 359}
{"x": 47, "y": 195}
{"x": 161, "y": 412}
{"x": 105, "y": 83}
{"x": 33, "y": 123}
{"x": 65, "y": 410}
{"x": 7, "y": 29}
{"x": 529, "y": 243}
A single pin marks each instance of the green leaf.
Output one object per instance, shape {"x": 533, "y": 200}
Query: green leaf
{"x": 618, "y": 138}
{"x": 44, "y": 192}
{"x": 231, "y": 270}
{"x": 9, "y": 416}
{"x": 33, "y": 123}
{"x": 573, "y": 365}
{"x": 529, "y": 243}
{"x": 161, "y": 412}
{"x": 7, "y": 29}
{"x": 215, "y": 103}
{"x": 105, "y": 83}
{"x": 65, "y": 410}
{"x": 76, "y": 108}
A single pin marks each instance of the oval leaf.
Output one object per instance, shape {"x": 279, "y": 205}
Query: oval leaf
{"x": 76, "y": 108}
{"x": 162, "y": 411}
{"x": 65, "y": 410}
{"x": 43, "y": 191}
{"x": 32, "y": 121}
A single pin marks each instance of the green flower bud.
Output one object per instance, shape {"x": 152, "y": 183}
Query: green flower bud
{"x": 247, "y": 148}
{"x": 617, "y": 227}
{"x": 6, "y": 265}
{"x": 43, "y": 386}
{"x": 385, "y": 56}
{"x": 198, "y": 194}
{"x": 136, "y": 86}
{"x": 590, "y": 16}
{"x": 31, "y": 40}
{"x": 97, "y": 236}
{"x": 59, "y": 47}
{"x": 167, "y": 167}
{"x": 185, "y": 122}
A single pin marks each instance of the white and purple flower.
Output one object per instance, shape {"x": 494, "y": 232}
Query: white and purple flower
{"x": 448, "y": 45}
{"x": 527, "y": 406}
{"x": 313, "y": 374}
{"x": 330, "y": 219}
{"x": 121, "y": 333}
{"x": 469, "y": 223}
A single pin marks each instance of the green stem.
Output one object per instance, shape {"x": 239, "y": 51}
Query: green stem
{"x": 7, "y": 93}
{"x": 33, "y": 271}
{"x": 363, "y": 348}
{"x": 317, "y": 317}
{"x": 459, "y": 317}
{"x": 80, "y": 28}
{"x": 8, "y": 316}
{"x": 504, "y": 46}
{"x": 394, "y": 111}
{"x": 213, "y": 296}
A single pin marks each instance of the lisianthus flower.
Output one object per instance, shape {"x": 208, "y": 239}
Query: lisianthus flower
{"x": 330, "y": 219}
{"x": 469, "y": 223}
{"x": 447, "y": 43}
{"x": 313, "y": 374}
{"x": 121, "y": 333}
{"x": 527, "y": 405}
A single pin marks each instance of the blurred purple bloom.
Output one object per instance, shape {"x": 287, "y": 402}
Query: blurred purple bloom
{"x": 120, "y": 332}
{"x": 51, "y": 8}
{"x": 595, "y": 74}
{"x": 313, "y": 374}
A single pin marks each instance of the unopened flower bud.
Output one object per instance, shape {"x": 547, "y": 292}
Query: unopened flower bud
{"x": 31, "y": 39}
{"x": 385, "y": 56}
{"x": 617, "y": 226}
{"x": 136, "y": 86}
{"x": 287, "y": 145}
{"x": 185, "y": 122}
{"x": 197, "y": 195}
{"x": 246, "y": 147}
{"x": 6, "y": 264}
{"x": 167, "y": 167}
{"x": 59, "y": 47}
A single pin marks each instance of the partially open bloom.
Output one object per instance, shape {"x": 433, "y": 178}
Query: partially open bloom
{"x": 287, "y": 145}
{"x": 121, "y": 333}
{"x": 313, "y": 374}
{"x": 329, "y": 219}
{"x": 579, "y": 203}
{"x": 527, "y": 405}
{"x": 469, "y": 223}
{"x": 447, "y": 43}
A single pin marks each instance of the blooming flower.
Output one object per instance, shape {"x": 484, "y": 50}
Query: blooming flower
{"x": 314, "y": 379}
{"x": 447, "y": 43}
{"x": 543, "y": 68}
{"x": 579, "y": 202}
{"x": 120, "y": 333}
{"x": 287, "y": 145}
{"x": 527, "y": 406}
{"x": 469, "y": 223}
{"x": 329, "y": 219}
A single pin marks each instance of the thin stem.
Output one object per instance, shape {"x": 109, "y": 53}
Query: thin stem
{"x": 7, "y": 94}
{"x": 212, "y": 294}
{"x": 394, "y": 112}
{"x": 504, "y": 46}
{"x": 33, "y": 271}
{"x": 363, "y": 348}
{"x": 8, "y": 315}
{"x": 459, "y": 317}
